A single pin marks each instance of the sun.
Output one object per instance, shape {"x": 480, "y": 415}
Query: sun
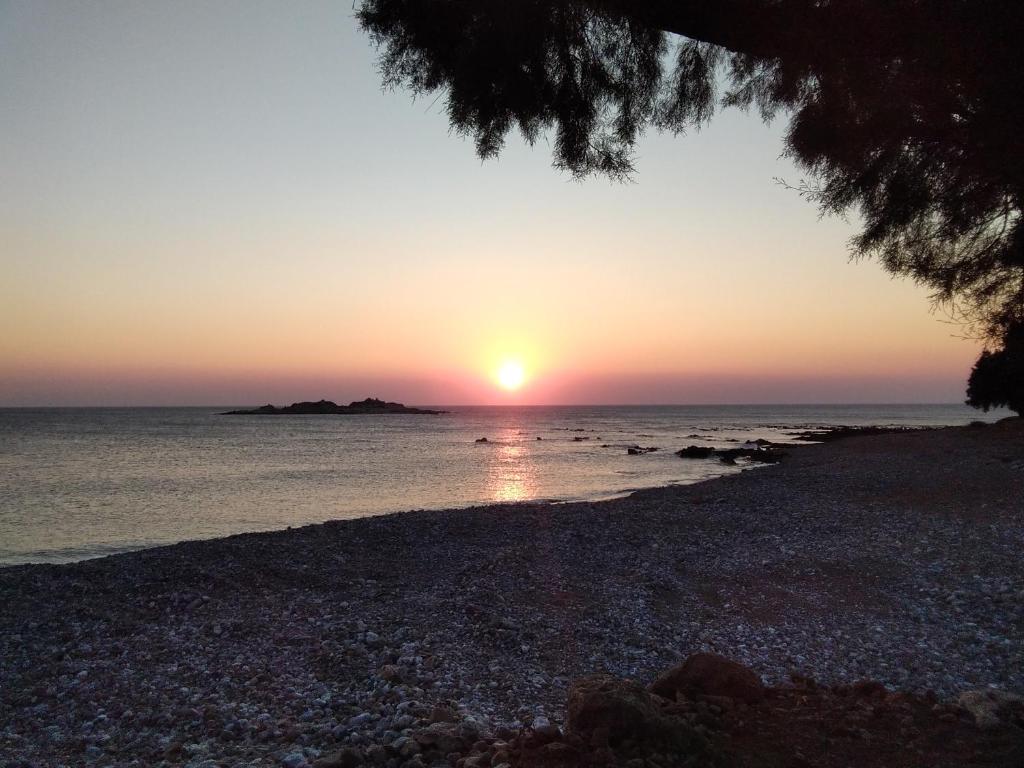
{"x": 511, "y": 375}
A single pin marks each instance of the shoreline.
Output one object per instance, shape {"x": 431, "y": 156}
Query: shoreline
{"x": 802, "y": 437}
{"x": 599, "y": 499}
{"x": 891, "y": 557}
{"x": 134, "y": 479}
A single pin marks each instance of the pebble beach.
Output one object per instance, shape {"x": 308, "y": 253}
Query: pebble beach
{"x": 892, "y": 557}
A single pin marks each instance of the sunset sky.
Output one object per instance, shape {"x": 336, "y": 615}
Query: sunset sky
{"x": 215, "y": 203}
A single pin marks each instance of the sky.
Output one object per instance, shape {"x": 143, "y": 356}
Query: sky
{"x": 217, "y": 203}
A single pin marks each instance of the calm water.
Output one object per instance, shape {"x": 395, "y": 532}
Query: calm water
{"x": 83, "y": 482}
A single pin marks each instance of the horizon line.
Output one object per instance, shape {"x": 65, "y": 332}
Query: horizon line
{"x": 525, "y": 405}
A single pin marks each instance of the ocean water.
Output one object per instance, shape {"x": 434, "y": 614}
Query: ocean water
{"x": 84, "y": 482}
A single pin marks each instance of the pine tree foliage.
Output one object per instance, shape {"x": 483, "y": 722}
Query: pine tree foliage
{"x": 997, "y": 380}
{"x": 906, "y": 112}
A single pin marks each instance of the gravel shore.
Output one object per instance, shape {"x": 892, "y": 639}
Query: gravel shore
{"x": 890, "y": 557}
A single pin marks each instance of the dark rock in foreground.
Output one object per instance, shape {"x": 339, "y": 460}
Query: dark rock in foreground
{"x": 606, "y": 712}
{"x": 370, "y": 405}
{"x": 713, "y": 712}
{"x": 711, "y": 675}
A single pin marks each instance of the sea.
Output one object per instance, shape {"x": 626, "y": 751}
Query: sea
{"x": 78, "y": 483}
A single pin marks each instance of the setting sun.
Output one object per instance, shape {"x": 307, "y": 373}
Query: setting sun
{"x": 511, "y": 375}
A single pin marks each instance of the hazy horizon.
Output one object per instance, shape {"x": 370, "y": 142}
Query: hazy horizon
{"x": 142, "y": 406}
{"x": 347, "y": 396}
{"x": 217, "y": 203}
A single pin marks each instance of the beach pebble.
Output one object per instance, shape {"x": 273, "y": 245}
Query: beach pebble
{"x": 377, "y": 754}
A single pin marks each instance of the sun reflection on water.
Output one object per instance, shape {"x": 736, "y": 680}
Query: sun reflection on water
{"x": 511, "y": 475}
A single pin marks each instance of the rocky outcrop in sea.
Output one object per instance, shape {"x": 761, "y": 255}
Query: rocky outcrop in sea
{"x": 370, "y": 405}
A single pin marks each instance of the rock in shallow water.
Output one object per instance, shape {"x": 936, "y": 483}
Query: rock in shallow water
{"x": 695, "y": 452}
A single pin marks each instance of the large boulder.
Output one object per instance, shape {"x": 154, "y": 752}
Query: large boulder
{"x": 605, "y": 711}
{"x": 709, "y": 674}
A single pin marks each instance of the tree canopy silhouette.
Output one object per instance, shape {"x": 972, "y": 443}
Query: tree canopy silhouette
{"x": 997, "y": 380}
{"x": 907, "y": 112}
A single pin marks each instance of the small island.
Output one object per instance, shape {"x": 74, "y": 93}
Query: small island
{"x": 370, "y": 405}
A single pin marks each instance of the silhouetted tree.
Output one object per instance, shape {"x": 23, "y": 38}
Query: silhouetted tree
{"x": 997, "y": 379}
{"x": 908, "y": 112}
